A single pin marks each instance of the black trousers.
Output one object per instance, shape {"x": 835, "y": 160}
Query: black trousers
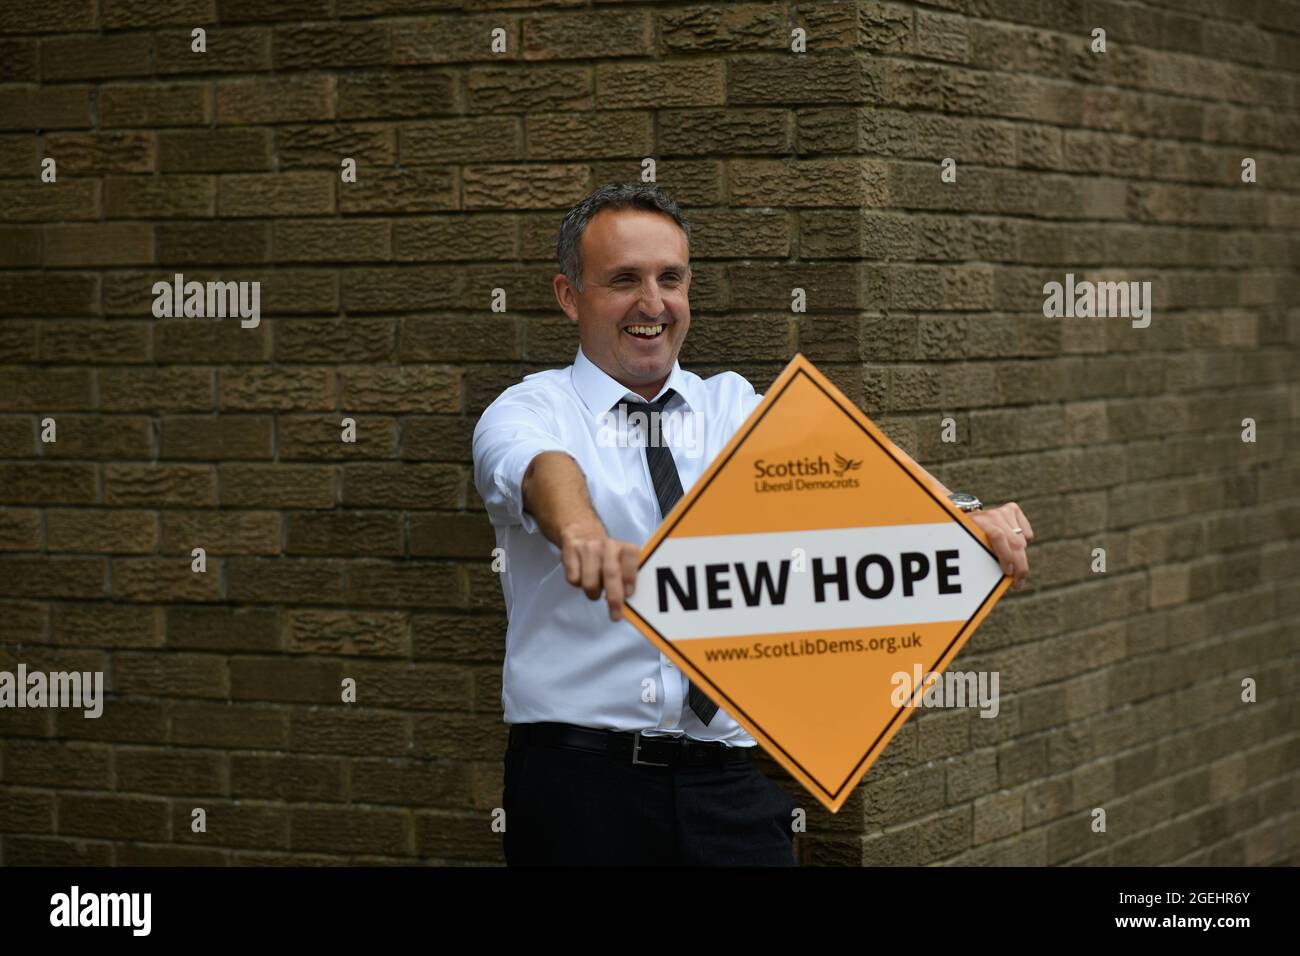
{"x": 579, "y": 808}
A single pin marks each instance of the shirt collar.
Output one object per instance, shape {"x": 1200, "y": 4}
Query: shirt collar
{"x": 601, "y": 393}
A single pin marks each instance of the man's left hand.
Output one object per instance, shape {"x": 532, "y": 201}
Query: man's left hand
{"x": 1008, "y": 544}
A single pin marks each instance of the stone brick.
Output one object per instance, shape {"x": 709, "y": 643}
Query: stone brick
{"x": 123, "y": 14}
{"x": 98, "y": 153}
{"x": 19, "y": 61}
{"x": 222, "y": 628}
{"x": 277, "y": 389}
{"x": 437, "y": 437}
{"x": 396, "y": 94}
{"x": 214, "y": 151}
{"x": 48, "y": 483}
{"x": 34, "y": 294}
{"x": 275, "y": 100}
{"x": 108, "y": 244}
{"x": 334, "y": 340}
{"x": 221, "y": 438}
{"x": 62, "y": 578}
{"x": 404, "y": 585}
{"x": 221, "y": 532}
{"x": 320, "y": 438}
{"x": 276, "y": 194}
{"x": 400, "y": 191}
{"x": 20, "y": 530}
{"x": 277, "y": 486}
{"x": 156, "y": 389}
{"x": 119, "y": 816}
{"x": 50, "y": 107}
{"x": 20, "y": 153}
{"x": 470, "y": 140}
{"x": 45, "y": 389}
{"x": 226, "y": 51}
{"x": 160, "y": 197}
{"x": 286, "y": 581}
{"x": 289, "y": 778}
{"x": 352, "y": 534}
{"x": 103, "y": 532}
{"x": 172, "y": 675}
{"x": 102, "y": 625}
{"x": 38, "y": 202}
{"x": 154, "y": 485}
{"x": 403, "y": 388}
{"x": 371, "y": 145}
{"x": 402, "y": 485}
{"x": 179, "y": 772}
{"x": 451, "y": 536}
{"x": 315, "y": 240}
{"x": 20, "y": 246}
{"x": 368, "y": 633}
{"x": 165, "y": 580}
{"x": 229, "y": 725}
{"x": 327, "y": 47}
{"x": 212, "y": 243}
{"x": 155, "y": 104}
{"x": 595, "y": 35}
{"x": 104, "y": 57}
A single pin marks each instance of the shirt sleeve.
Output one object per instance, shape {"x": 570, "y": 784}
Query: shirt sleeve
{"x": 749, "y": 399}
{"x": 509, "y": 435}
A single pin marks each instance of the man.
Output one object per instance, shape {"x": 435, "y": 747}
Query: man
{"x": 614, "y": 756}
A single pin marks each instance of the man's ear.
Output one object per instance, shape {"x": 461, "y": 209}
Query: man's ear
{"x": 565, "y": 294}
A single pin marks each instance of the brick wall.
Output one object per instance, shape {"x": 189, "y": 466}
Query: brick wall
{"x": 370, "y": 560}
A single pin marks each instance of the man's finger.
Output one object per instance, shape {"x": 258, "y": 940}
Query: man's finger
{"x": 1010, "y": 552}
{"x": 1017, "y": 543}
{"x": 1001, "y": 548}
{"x": 629, "y": 559}
{"x": 1020, "y": 521}
{"x": 591, "y": 555}
{"x": 1021, "y": 562}
{"x": 613, "y": 573}
{"x": 572, "y": 565}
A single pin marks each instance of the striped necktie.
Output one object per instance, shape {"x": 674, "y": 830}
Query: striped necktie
{"x": 668, "y": 489}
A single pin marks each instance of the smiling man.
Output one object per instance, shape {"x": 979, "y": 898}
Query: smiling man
{"x": 615, "y": 757}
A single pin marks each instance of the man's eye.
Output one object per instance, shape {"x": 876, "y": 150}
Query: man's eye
{"x": 667, "y": 277}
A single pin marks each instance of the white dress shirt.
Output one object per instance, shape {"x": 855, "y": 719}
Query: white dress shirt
{"x": 565, "y": 659}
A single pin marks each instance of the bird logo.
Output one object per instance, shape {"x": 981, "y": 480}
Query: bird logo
{"x": 845, "y": 464}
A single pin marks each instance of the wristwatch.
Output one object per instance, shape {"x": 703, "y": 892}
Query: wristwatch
{"x": 965, "y": 502}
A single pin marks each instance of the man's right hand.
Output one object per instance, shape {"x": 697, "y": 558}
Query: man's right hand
{"x": 598, "y": 563}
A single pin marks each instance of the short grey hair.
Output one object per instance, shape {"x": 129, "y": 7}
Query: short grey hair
{"x": 610, "y": 196}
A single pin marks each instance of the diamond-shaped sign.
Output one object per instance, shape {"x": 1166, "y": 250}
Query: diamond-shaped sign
{"x": 808, "y": 570}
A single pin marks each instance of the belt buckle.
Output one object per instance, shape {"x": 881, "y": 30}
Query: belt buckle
{"x": 636, "y": 753}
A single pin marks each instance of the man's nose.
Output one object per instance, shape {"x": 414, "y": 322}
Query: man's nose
{"x": 652, "y": 300}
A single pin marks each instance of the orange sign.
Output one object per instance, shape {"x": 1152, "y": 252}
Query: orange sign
{"x": 810, "y": 575}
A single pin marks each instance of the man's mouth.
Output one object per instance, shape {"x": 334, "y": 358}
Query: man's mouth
{"x": 645, "y": 331}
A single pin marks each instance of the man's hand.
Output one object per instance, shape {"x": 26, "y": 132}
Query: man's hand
{"x": 596, "y": 562}
{"x": 1008, "y": 545}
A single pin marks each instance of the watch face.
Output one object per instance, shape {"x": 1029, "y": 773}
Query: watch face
{"x": 964, "y": 501}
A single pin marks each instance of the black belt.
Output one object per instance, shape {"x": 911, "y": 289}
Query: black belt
{"x": 628, "y": 746}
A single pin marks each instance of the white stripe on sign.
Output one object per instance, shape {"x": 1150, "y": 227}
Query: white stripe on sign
{"x": 749, "y": 584}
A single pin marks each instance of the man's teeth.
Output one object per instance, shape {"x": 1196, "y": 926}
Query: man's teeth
{"x": 646, "y": 329}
